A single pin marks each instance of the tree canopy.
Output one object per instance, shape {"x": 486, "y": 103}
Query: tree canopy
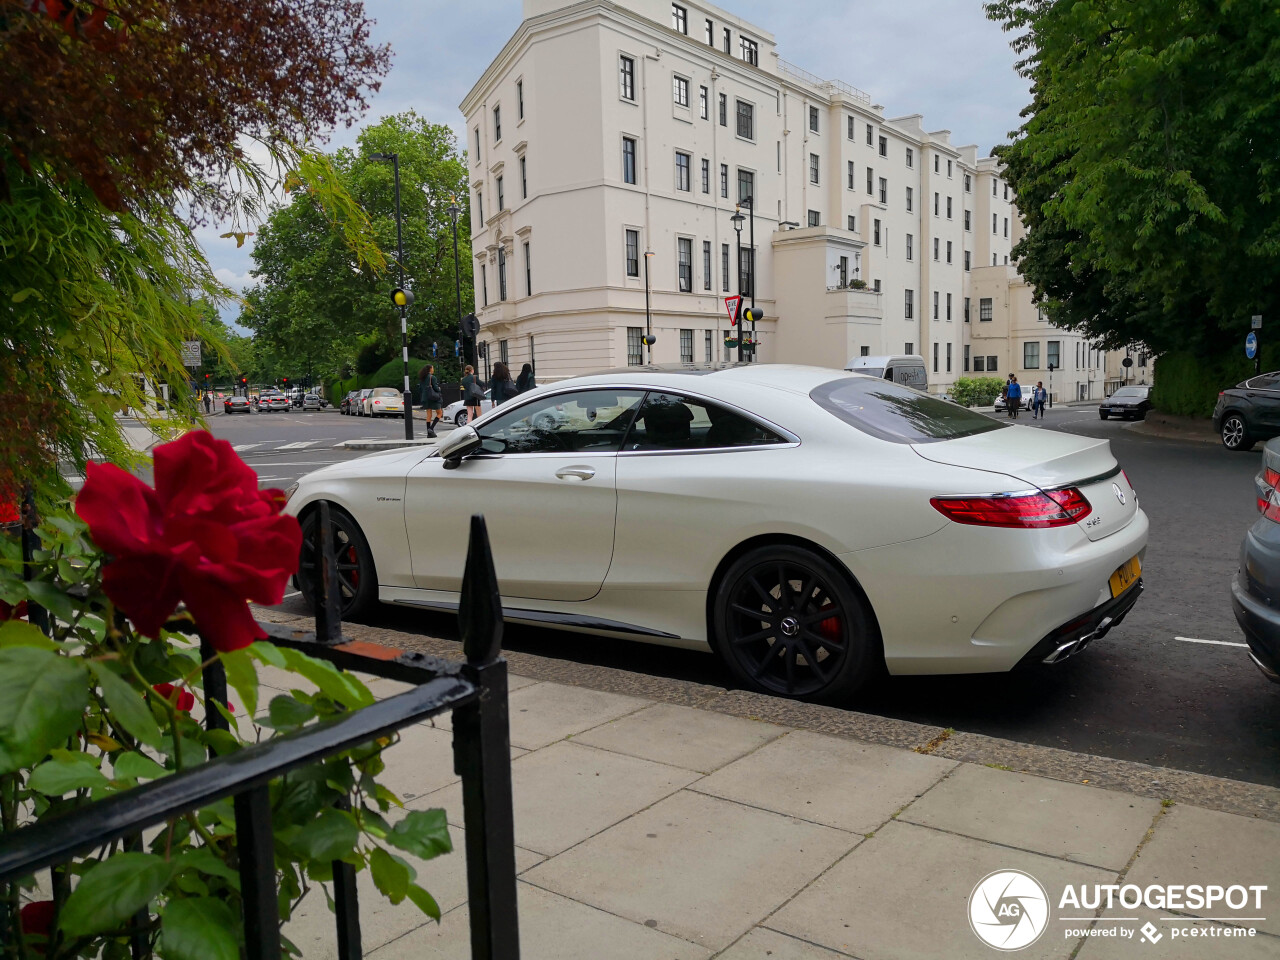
{"x": 1147, "y": 167}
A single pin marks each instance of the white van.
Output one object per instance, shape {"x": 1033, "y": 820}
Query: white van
{"x": 906, "y": 369}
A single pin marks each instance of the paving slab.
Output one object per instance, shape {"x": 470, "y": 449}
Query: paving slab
{"x": 445, "y": 878}
{"x": 841, "y": 783}
{"x": 762, "y": 944}
{"x": 1180, "y": 939}
{"x": 697, "y": 867}
{"x": 551, "y": 928}
{"x": 683, "y": 737}
{"x": 1197, "y": 846}
{"x": 1059, "y": 819}
{"x": 567, "y": 792}
{"x": 904, "y": 894}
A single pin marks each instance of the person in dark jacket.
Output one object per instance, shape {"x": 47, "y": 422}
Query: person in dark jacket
{"x": 525, "y": 381}
{"x": 432, "y": 398}
{"x": 472, "y": 393}
{"x": 502, "y": 387}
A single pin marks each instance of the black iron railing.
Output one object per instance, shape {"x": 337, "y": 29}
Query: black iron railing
{"x": 476, "y": 692}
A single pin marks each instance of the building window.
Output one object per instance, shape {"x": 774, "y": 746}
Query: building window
{"x": 635, "y": 346}
{"x": 704, "y": 103}
{"x": 991, "y": 364}
{"x": 993, "y": 259}
{"x": 706, "y": 345}
{"x": 750, "y": 51}
{"x": 908, "y": 305}
{"x": 844, "y": 271}
{"x": 1053, "y": 355}
{"x": 706, "y": 264}
{"x": 484, "y": 285}
{"x": 967, "y": 256}
{"x": 502, "y": 351}
{"x": 911, "y": 200}
{"x": 870, "y": 134}
{"x": 480, "y": 205}
{"x": 850, "y": 131}
{"x": 948, "y": 251}
{"x": 910, "y": 247}
{"x": 935, "y": 304}
{"x": 1031, "y": 356}
{"x": 935, "y": 248}
{"x": 528, "y": 272}
{"x": 815, "y": 219}
{"x": 948, "y": 358}
{"x": 724, "y": 267}
{"x": 936, "y": 160}
{"x": 884, "y": 190}
{"x": 968, "y": 184}
{"x": 966, "y": 313}
{"x": 682, "y": 171}
{"x": 984, "y": 309}
{"x": 935, "y": 203}
{"x": 711, "y": 34}
{"x": 966, "y": 358}
{"x": 497, "y": 124}
{"x": 994, "y": 185}
{"x": 686, "y": 346}
{"x": 979, "y": 364}
{"x": 724, "y": 180}
{"x": 724, "y": 109}
{"x": 935, "y": 356}
{"x": 524, "y": 179}
{"x": 746, "y": 264}
{"x": 968, "y": 220}
{"x": 948, "y": 208}
{"x": 628, "y": 160}
{"x": 995, "y": 227}
{"x": 501, "y": 195}
{"x": 502, "y": 274}
{"x": 908, "y": 347}
{"x": 870, "y": 181}
{"x": 813, "y": 119}
{"x": 948, "y": 168}
{"x": 679, "y": 19}
{"x": 519, "y": 99}
{"x": 746, "y": 186}
{"x": 1006, "y": 191}
{"x": 813, "y": 168}
{"x": 706, "y": 175}
{"x": 875, "y": 285}
{"x": 884, "y": 146}
{"x": 477, "y": 133}
{"x": 850, "y": 166}
{"x": 684, "y": 261}
{"x": 1006, "y": 226}
{"x": 948, "y": 306}
{"x": 853, "y": 224}
{"x": 633, "y": 253}
{"x": 728, "y": 37}
{"x": 627, "y": 78}
{"x": 911, "y": 157}
{"x": 680, "y": 91}
{"x": 864, "y": 351}
{"x": 875, "y": 232}
{"x": 746, "y": 115}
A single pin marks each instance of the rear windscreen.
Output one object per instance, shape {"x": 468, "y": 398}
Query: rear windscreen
{"x": 899, "y": 414}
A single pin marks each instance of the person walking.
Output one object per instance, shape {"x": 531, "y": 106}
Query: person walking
{"x": 502, "y": 387}
{"x": 432, "y": 398}
{"x": 525, "y": 381}
{"x": 1015, "y": 397}
{"x": 208, "y": 402}
{"x": 472, "y": 393}
{"x": 1038, "y": 398}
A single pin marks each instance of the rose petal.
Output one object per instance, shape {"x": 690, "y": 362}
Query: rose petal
{"x": 223, "y": 618}
{"x": 146, "y": 589}
{"x": 120, "y": 509}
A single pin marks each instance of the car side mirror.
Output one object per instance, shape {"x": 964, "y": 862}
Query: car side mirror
{"x": 458, "y": 444}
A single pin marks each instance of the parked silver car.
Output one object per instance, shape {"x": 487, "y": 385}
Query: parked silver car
{"x": 311, "y": 402}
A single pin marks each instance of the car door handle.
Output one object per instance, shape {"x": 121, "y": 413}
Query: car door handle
{"x": 576, "y": 473}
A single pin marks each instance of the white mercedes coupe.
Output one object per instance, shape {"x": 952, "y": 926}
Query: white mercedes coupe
{"x": 812, "y": 527}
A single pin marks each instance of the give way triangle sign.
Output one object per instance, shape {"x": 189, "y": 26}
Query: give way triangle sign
{"x": 734, "y": 306}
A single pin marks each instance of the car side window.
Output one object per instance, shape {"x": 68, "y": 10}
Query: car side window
{"x": 590, "y": 421}
{"x": 669, "y": 421}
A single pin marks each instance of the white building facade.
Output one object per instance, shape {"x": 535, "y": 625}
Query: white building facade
{"x": 609, "y": 145}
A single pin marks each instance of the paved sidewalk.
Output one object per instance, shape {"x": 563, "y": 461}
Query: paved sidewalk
{"x": 650, "y": 829}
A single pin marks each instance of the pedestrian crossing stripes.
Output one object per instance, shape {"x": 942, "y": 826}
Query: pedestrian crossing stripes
{"x": 241, "y": 447}
{"x": 299, "y": 445}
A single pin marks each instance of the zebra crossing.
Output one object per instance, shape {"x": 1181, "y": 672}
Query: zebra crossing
{"x": 262, "y": 447}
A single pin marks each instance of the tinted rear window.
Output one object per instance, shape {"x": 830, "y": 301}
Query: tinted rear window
{"x": 899, "y": 414}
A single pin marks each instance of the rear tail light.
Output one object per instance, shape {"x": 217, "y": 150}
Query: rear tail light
{"x": 1050, "y": 508}
{"x": 1271, "y": 478}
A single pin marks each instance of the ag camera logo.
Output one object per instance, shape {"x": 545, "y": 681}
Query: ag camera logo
{"x": 1008, "y": 910}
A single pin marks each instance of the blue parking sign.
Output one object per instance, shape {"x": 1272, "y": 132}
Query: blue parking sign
{"x": 1251, "y": 345}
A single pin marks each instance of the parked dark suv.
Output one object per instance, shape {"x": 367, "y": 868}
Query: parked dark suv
{"x": 1249, "y": 412}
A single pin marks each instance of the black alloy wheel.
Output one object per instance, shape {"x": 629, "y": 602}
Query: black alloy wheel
{"x": 786, "y": 621}
{"x": 1235, "y": 433}
{"x": 357, "y": 579}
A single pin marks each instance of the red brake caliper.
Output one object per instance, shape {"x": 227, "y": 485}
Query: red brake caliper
{"x": 351, "y": 558}
{"x": 832, "y": 628}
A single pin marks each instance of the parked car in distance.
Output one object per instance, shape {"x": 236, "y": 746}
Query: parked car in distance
{"x": 1248, "y": 412}
{"x": 906, "y": 369}
{"x": 346, "y": 406}
{"x": 1255, "y": 589}
{"x": 456, "y": 412}
{"x": 310, "y": 402}
{"x": 237, "y": 405}
{"x": 384, "y": 402}
{"x": 357, "y": 402}
{"x": 1127, "y": 403}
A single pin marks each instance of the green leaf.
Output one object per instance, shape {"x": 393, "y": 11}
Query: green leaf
{"x": 127, "y": 706}
{"x": 338, "y": 686}
{"x": 330, "y": 836}
{"x": 243, "y": 676}
{"x": 424, "y": 902}
{"x": 391, "y": 875}
{"x": 137, "y": 766}
{"x": 198, "y": 928}
{"x": 424, "y": 833}
{"x": 205, "y": 861}
{"x": 19, "y": 633}
{"x": 42, "y": 698}
{"x": 113, "y": 891}
{"x": 268, "y": 653}
{"x": 285, "y": 712}
{"x": 25, "y": 292}
{"x": 53, "y": 598}
{"x": 54, "y": 778}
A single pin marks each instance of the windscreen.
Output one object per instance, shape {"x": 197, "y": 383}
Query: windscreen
{"x": 899, "y": 414}
{"x": 1139, "y": 392}
{"x": 385, "y": 392}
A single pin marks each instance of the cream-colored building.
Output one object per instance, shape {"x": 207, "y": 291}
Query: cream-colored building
{"x": 609, "y": 145}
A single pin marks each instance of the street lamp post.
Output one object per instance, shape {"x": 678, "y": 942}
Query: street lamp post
{"x": 404, "y": 317}
{"x": 751, "y": 206}
{"x": 648, "y": 316}
{"x": 736, "y": 220}
{"x": 468, "y": 343}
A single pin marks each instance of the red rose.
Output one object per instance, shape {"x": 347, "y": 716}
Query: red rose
{"x": 205, "y": 536}
{"x": 36, "y": 919}
{"x": 184, "y": 699}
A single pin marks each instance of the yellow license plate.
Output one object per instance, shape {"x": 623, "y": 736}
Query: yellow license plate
{"x": 1125, "y": 576}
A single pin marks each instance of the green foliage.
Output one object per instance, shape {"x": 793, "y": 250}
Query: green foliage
{"x": 1146, "y": 168}
{"x": 1188, "y": 384}
{"x": 976, "y": 391}
{"x": 372, "y": 356}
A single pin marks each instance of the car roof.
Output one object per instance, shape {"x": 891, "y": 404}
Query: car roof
{"x": 781, "y": 376}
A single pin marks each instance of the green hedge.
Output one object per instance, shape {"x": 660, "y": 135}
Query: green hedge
{"x": 1187, "y": 384}
{"x": 976, "y": 391}
{"x": 390, "y": 374}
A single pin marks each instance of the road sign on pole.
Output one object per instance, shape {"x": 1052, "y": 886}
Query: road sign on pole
{"x": 1257, "y": 321}
{"x": 191, "y": 353}
{"x": 734, "y": 306}
{"x": 1251, "y": 345}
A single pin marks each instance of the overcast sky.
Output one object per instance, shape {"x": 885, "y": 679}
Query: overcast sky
{"x": 940, "y": 58}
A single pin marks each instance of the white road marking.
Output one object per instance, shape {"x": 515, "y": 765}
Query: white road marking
{"x": 241, "y": 447}
{"x": 288, "y": 596}
{"x": 299, "y": 445}
{"x": 1216, "y": 643}
{"x": 294, "y": 463}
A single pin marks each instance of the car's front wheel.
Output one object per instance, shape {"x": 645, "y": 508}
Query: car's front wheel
{"x": 460, "y": 418}
{"x": 357, "y": 579}
{"x": 1235, "y": 433}
{"x": 1103, "y": 414}
{"x": 787, "y": 621}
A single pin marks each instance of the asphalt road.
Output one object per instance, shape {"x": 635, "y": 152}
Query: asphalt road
{"x": 1139, "y": 694}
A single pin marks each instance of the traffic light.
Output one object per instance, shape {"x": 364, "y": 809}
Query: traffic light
{"x": 648, "y": 340}
{"x": 285, "y": 381}
{"x": 401, "y": 297}
{"x": 752, "y": 315}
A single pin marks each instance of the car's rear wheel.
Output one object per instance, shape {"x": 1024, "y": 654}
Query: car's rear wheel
{"x": 787, "y": 621}
{"x": 460, "y": 418}
{"x": 357, "y": 579}
{"x": 1235, "y": 433}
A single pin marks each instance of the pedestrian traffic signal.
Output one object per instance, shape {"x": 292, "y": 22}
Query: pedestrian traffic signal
{"x": 752, "y": 315}
{"x": 401, "y": 297}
